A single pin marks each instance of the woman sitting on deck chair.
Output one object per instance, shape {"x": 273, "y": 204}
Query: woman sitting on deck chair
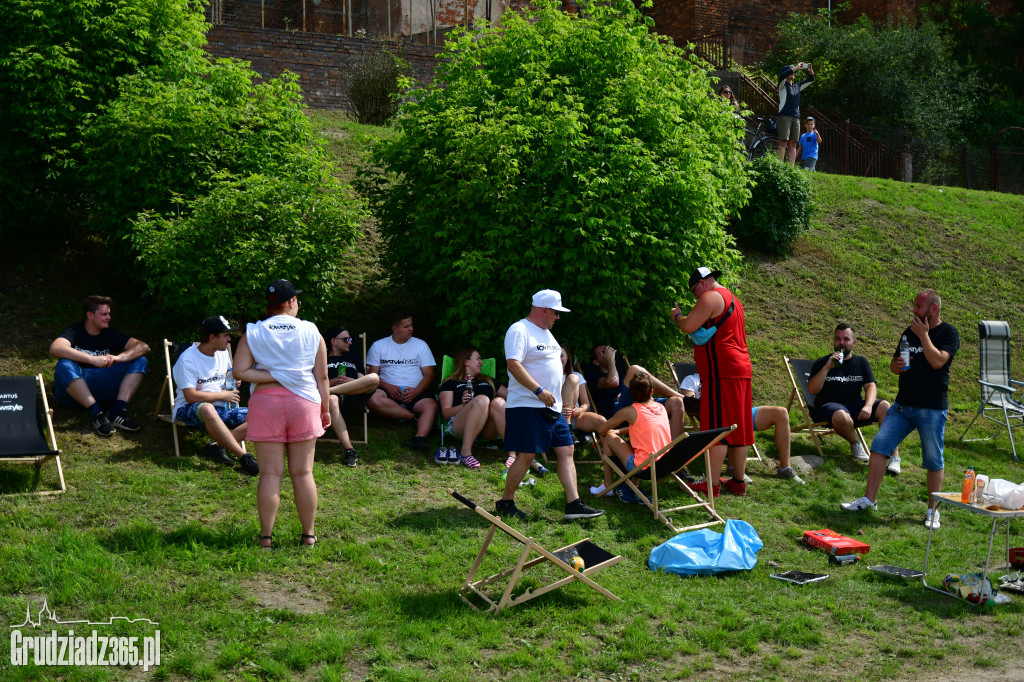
{"x": 472, "y": 404}
{"x": 574, "y": 399}
{"x": 649, "y": 432}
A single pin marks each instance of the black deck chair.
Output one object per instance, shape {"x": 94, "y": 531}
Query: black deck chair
{"x": 666, "y": 463}
{"x": 594, "y": 559}
{"x": 22, "y": 435}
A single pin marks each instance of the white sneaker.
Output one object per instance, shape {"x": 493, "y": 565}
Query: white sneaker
{"x": 857, "y": 450}
{"x": 859, "y": 505}
{"x": 600, "y": 490}
{"x": 894, "y": 465}
{"x": 931, "y": 519}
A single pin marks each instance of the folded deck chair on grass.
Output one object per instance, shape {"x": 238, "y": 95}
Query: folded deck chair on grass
{"x": 488, "y": 368}
{"x": 595, "y": 559}
{"x": 665, "y": 464}
{"x": 681, "y": 370}
{"x": 799, "y": 373}
{"x": 354, "y": 405}
{"x": 22, "y": 436}
{"x": 997, "y": 388}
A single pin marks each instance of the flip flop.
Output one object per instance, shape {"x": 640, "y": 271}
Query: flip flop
{"x": 307, "y": 545}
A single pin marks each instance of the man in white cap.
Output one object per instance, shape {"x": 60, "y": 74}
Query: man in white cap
{"x": 533, "y": 410}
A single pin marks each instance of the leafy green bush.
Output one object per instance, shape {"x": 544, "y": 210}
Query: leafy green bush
{"x": 61, "y": 61}
{"x": 218, "y": 254}
{"x": 372, "y": 94}
{"x": 780, "y": 207}
{"x": 575, "y": 152}
{"x": 165, "y": 139}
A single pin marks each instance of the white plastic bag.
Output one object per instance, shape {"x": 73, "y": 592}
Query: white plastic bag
{"x": 1005, "y": 494}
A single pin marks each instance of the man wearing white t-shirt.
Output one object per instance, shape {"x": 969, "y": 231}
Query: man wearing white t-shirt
{"x": 405, "y": 366}
{"x": 533, "y": 409}
{"x": 202, "y": 400}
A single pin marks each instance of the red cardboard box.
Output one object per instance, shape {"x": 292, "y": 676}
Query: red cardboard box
{"x": 834, "y": 543}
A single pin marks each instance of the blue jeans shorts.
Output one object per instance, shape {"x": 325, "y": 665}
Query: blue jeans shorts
{"x": 901, "y": 420}
{"x": 233, "y": 417}
{"x": 103, "y": 382}
{"x": 527, "y": 430}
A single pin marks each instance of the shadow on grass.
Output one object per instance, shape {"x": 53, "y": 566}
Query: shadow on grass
{"x": 143, "y": 537}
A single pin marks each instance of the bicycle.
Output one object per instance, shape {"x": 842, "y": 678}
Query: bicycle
{"x": 762, "y": 140}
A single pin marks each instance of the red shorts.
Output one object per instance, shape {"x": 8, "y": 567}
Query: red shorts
{"x": 277, "y": 415}
{"x": 724, "y": 403}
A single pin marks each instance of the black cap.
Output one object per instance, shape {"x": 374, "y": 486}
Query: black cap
{"x": 217, "y": 324}
{"x": 786, "y": 71}
{"x": 703, "y": 273}
{"x": 332, "y": 333}
{"x": 281, "y": 290}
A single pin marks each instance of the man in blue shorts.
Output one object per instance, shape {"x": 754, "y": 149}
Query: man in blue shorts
{"x": 837, "y": 380}
{"x": 533, "y": 410}
{"x": 921, "y": 403}
{"x": 99, "y": 368}
{"x": 202, "y": 400}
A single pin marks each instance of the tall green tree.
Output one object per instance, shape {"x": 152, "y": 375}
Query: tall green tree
{"x": 575, "y": 152}
{"x": 61, "y": 61}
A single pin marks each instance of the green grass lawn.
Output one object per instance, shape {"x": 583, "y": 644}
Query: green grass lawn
{"x": 145, "y": 535}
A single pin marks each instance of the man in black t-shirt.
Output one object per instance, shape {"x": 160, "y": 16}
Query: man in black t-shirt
{"x": 99, "y": 367}
{"x": 836, "y": 382}
{"x": 346, "y": 377}
{"x": 921, "y": 403}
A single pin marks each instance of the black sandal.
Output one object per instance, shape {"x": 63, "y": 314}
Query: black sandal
{"x": 304, "y": 544}
{"x": 265, "y": 537}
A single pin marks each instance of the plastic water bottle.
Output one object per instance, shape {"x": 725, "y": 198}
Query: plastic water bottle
{"x": 229, "y": 381}
{"x": 968, "y": 489}
{"x": 905, "y": 352}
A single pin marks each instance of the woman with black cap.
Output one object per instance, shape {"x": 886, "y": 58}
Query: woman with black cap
{"x": 287, "y": 360}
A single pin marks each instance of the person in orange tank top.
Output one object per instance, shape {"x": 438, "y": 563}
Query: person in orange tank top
{"x": 649, "y": 431}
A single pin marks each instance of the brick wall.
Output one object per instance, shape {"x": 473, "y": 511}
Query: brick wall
{"x": 321, "y": 61}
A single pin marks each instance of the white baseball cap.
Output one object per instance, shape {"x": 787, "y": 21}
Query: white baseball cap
{"x": 549, "y": 298}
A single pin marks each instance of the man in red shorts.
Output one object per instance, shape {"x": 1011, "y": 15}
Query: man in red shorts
{"x": 715, "y": 325}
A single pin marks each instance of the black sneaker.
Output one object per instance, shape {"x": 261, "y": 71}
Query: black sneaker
{"x": 507, "y": 509}
{"x": 249, "y": 465}
{"x": 102, "y": 426}
{"x": 578, "y": 510}
{"x": 218, "y": 454}
{"x": 417, "y": 443}
{"x": 351, "y": 458}
{"x": 124, "y": 422}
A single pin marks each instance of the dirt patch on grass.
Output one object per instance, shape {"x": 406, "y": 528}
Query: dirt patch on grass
{"x": 274, "y": 593}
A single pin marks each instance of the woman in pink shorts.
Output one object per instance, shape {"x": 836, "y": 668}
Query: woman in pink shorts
{"x": 287, "y": 360}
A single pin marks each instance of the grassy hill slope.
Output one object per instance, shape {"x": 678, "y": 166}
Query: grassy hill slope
{"x": 142, "y": 534}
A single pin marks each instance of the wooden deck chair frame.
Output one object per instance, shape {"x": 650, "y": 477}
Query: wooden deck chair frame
{"x": 168, "y": 389}
{"x": 681, "y": 370}
{"x": 997, "y": 387}
{"x": 364, "y": 413}
{"x": 490, "y": 368}
{"x": 38, "y": 460}
{"x": 595, "y": 559}
{"x": 665, "y": 464}
{"x": 809, "y": 427}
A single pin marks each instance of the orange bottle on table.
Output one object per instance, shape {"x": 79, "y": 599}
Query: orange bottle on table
{"x": 968, "y": 489}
